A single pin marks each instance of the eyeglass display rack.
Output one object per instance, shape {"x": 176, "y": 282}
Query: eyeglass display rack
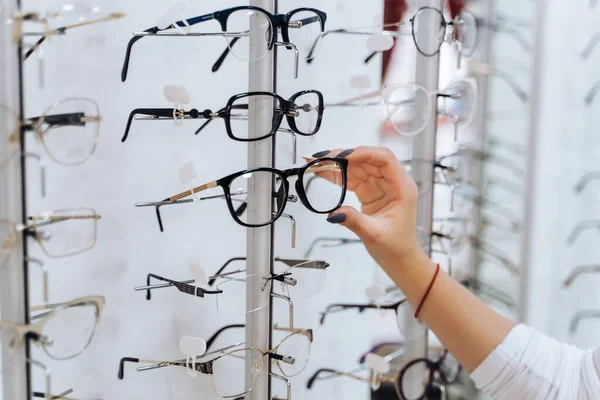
{"x": 427, "y": 71}
{"x": 16, "y": 382}
{"x": 260, "y": 241}
{"x": 262, "y": 77}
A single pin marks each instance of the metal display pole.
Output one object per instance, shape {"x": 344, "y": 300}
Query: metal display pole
{"x": 13, "y": 277}
{"x": 259, "y": 243}
{"x": 532, "y": 164}
{"x": 424, "y": 148}
{"x": 484, "y": 54}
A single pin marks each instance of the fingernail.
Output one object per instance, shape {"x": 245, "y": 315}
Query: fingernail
{"x": 345, "y": 153}
{"x": 321, "y": 153}
{"x": 336, "y": 219}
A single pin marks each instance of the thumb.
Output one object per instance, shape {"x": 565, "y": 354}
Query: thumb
{"x": 352, "y": 219}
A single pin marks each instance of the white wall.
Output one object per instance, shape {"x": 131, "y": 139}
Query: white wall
{"x": 87, "y": 62}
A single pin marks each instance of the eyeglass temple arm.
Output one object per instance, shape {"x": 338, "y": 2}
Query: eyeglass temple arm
{"x": 590, "y": 46}
{"x": 222, "y": 110}
{"x": 579, "y": 315}
{"x": 290, "y": 308}
{"x": 154, "y": 112}
{"x": 582, "y": 269}
{"x": 591, "y": 96}
{"x": 211, "y": 281}
{"x": 585, "y": 179}
{"x": 493, "y": 252}
{"x": 514, "y": 85}
{"x": 313, "y": 378}
{"x": 580, "y": 227}
{"x": 361, "y": 307}
{"x": 215, "y": 335}
{"x": 154, "y": 30}
{"x": 287, "y": 383}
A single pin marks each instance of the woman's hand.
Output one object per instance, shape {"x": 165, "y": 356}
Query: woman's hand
{"x": 387, "y": 221}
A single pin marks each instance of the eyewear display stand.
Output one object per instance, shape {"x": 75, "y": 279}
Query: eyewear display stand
{"x": 13, "y": 277}
{"x": 259, "y": 244}
{"x": 424, "y": 148}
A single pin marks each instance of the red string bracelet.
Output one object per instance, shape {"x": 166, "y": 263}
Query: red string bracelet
{"x": 437, "y": 271}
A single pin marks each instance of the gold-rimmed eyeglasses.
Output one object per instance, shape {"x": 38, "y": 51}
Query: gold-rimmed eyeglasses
{"x": 60, "y": 233}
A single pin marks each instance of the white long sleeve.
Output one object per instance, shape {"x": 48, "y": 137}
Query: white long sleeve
{"x": 531, "y": 366}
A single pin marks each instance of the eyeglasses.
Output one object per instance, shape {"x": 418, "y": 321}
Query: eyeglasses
{"x": 64, "y": 330}
{"x": 231, "y": 362}
{"x": 298, "y": 279}
{"x": 299, "y": 26}
{"x": 333, "y": 169}
{"x": 55, "y": 19}
{"x": 303, "y": 112}
{"x": 463, "y": 36}
{"x": 358, "y": 31}
{"x": 59, "y": 233}
{"x": 68, "y": 130}
{"x": 422, "y": 370}
{"x": 400, "y": 307}
{"x": 409, "y": 106}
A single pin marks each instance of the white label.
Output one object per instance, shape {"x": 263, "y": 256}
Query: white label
{"x": 174, "y": 14}
{"x": 192, "y": 346}
{"x": 199, "y": 274}
{"x": 375, "y": 292}
{"x": 176, "y": 94}
{"x": 380, "y": 42}
{"x": 377, "y": 363}
{"x": 187, "y": 173}
{"x": 360, "y": 82}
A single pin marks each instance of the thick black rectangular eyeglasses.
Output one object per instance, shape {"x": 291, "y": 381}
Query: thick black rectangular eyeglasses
{"x": 235, "y": 26}
{"x": 303, "y": 112}
{"x": 332, "y": 169}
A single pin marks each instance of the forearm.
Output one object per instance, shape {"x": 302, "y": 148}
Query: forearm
{"x": 468, "y": 328}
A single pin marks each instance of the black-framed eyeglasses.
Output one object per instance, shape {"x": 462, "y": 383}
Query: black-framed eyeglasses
{"x": 235, "y": 185}
{"x": 445, "y": 370}
{"x": 235, "y": 26}
{"x": 303, "y": 112}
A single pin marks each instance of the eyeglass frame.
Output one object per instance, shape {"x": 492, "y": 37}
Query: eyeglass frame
{"x": 280, "y": 21}
{"x": 33, "y": 331}
{"x": 68, "y": 119}
{"x": 289, "y": 111}
{"x": 31, "y": 229}
{"x": 206, "y": 368}
{"x": 226, "y": 181}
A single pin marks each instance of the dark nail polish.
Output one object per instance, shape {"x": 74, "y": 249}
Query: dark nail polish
{"x": 345, "y": 153}
{"x": 336, "y": 219}
{"x": 321, "y": 153}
